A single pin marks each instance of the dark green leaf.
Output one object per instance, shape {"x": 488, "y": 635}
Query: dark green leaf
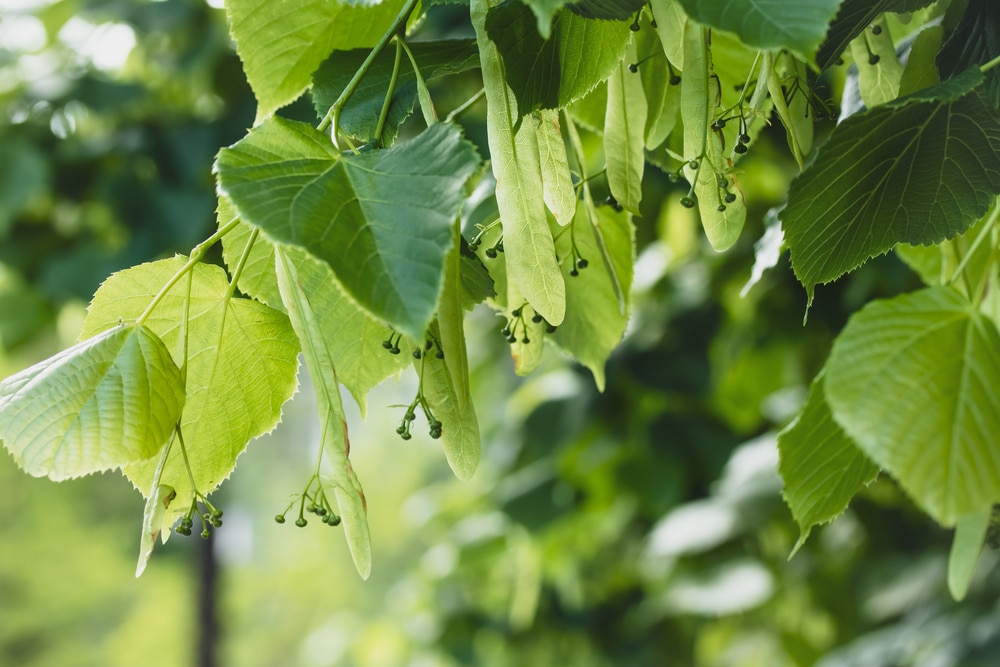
{"x": 622, "y": 10}
{"x": 852, "y": 19}
{"x": 769, "y": 24}
{"x": 359, "y": 117}
{"x": 382, "y": 219}
{"x": 913, "y": 381}
{"x": 917, "y": 170}
{"x": 552, "y": 73}
{"x": 821, "y": 466}
{"x": 974, "y": 41}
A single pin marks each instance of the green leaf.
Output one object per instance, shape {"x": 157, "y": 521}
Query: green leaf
{"x": 973, "y": 42}
{"x": 624, "y": 134}
{"x": 557, "y": 182}
{"x": 937, "y": 264}
{"x": 620, "y": 10}
{"x": 380, "y": 219}
{"x": 452, "y": 406}
{"x": 915, "y": 170}
{"x": 920, "y": 71}
{"x": 282, "y": 43}
{"x": 451, "y": 326}
{"x": 359, "y": 118}
{"x": 153, "y": 517}
{"x": 477, "y": 285}
{"x": 304, "y": 284}
{"x": 913, "y": 381}
{"x": 106, "y": 402}
{"x": 552, "y": 73}
{"x": 670, "y": 21}
{"x": 242, "y": 360}
{"x": 595, "y": 323}
{"x": 769, "y": 24}
{"x": 257, "y": 278}
{"x": 663, "y": 99}
{"x": 878, "y": 82}
{"x": 530, "y": 259}
{"x": 969, "y": 534}
{"x": 700, "y": 100}
{"x": 821, "y": 466}
{"x": 787, "y": 84}
{"x": 852, "y": 19}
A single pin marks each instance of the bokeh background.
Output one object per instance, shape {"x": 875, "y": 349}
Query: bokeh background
{"x": 641, "y": 526}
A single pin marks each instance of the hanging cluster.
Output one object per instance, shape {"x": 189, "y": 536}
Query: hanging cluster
{"x": 318, "y": 504}
{"x": 210, "y": 516}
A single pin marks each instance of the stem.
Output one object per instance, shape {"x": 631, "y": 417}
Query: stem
{"x": 393, "y": 80}
{"x": 333, "y": 113}
{"x": 465, "y": 105}
{"x": 187, "y": 463}
{"x": 197, "y": 253}
{"x": 990, "y": 65}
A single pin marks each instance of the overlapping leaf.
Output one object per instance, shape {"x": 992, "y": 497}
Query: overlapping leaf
{"x": 624, "y": 134}
{"x": 552, "y": 73}
{"x": 912, "y": 381}
{"x": 241, "y": 367}
{"x": 821, "y": 466}
{"x": 359, "y": 118}
{"x": 381, "y": 219}
{"x": 769, "y": 24}
{"x": 304, "y": 283}
{"x": 108, "y": 401}
{"x": 282, "y": 43}
{"x": 852, "y": 19}
{"x": 917, "y": 170}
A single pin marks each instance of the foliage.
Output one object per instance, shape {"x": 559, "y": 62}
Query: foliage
{"x": 368, "y": 234}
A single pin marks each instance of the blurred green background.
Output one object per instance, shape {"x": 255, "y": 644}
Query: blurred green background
{"x": 641, "y": 526}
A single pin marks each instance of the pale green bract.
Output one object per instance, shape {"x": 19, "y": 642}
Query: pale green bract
{"x": 557, "y": 181}
{"x": 304, "y": 283}
{"x": 968, "y": 542}
{"x": 624, "y": 134}
{"x": 821, "y": 466}
{"x": 381, "y": 219}
{"x": 912, "y": 381}
{"x": 108, "y": 401}
{"x": 242, "y": 361}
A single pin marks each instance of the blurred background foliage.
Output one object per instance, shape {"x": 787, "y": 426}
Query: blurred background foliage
{"x": 641, "y": 526}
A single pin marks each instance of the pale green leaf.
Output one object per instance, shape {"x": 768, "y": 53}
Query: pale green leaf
{"x": 820, "y": 465}
{"x": 624, "y": 134}
{"x": 589, "y": 110}
{"x": 879, "y": 70}
{"x": 921, "y": 69}
{"x": 257, "y": 278}
{"x": 707, "y": 166}
{"x": 917, "y": 170}
{"x": 282, "y": 43}
{"x": 153, "y": 517}
{"x": 595, "y": 323}
{"x": 359, "y": 118}
{"x": 451, "y": 325}
{"x": 530, "y": 259}
{"x": 789, "y": 89}
{"x": 852, "y": 19}
{"x": 912, "y": 380}
{"x": 970, "y": 531}
{"x": 670, "y": 21}
{"x": 552, "y": 73}
{"x": 557, "y": 182}
{"x": 452, "y": 406}
{"x": 798, "y": 26}
{"x": 304, "y": 283}
{"x": 380, "y": 219}
{"x": 242, "y": 360}
{"x": 661, "y": 88}
{"x": 108, "y": 401}
{"x": 936, "y": 264}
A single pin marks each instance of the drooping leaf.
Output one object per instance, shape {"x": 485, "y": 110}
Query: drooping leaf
{"x": 242, "y": 361}
{"x": 820, "y": 465}
{"x": 769, "y": 24}
{"x": 594, "y": 323}
{"x": 452, "y": 405}
{"x": 153, "y": 517}
{"x": 706, "y": 166}
{"x": 552, "y": 73}
{"x": 557, "y": 182}
{"x": 451, "y": 326}
{"x": 304, "y": 283}
{"x": 916, "y": 170}
{"x": 620, "y": 10}
{"x": 879, "y": 70}
{"x": 282, "y": 43}
{"x": 912, "y": 380}
{"x": 108, "y": 401}
{"x": 624, "y": 134}
{"x": 786, "y": 81}
{"x": 970, "y": 530}
{"x": 530, "y": 261}
{"x": 380, "y": 219}
{"x": 359, "y": 118}
{"x": 661, "y": 90}
{"x": 670, "y": 21}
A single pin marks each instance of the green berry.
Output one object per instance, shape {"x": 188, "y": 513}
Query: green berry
{"x": 491, "y": 253}
{"x": 720, "y": 208}
{"x": 279, "y": 518}
{"x": 205, "y": 534}
{"x": 417, "y": 354}
{"x": 740, "y": 148}
{"x": 687, "y": 202}
{"x": 301, "y": 522}
{"x": 634, "y": 67}
{"x": 730, "y": 197}
{"x": 582, "y": 263}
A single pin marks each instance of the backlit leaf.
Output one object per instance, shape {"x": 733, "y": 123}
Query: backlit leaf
{"x": 970, "y": 531}
{"x": 624, "y": 134}
{"x": 912, "y": 380}
{"x": 108, "y": 401}
{"x": 557, "y": 182}
{"x": 380, "y": 219}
